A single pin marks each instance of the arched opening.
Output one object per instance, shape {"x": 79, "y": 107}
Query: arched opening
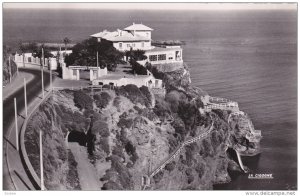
{"x": 79, "y": 137}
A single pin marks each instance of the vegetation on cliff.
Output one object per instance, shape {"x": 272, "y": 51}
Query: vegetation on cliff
{"x": 127, "y": 137}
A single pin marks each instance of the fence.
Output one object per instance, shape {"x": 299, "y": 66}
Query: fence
{"x": 22, "y": 61}
{"x": 9, "y": 71}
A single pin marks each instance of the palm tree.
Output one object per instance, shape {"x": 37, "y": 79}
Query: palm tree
{"x": 66, "y": 41}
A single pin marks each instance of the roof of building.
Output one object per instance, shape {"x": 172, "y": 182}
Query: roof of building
{"x": 119, "y": 35}
{"x": 160, "y": 49}
{"x": 138, "y": 27}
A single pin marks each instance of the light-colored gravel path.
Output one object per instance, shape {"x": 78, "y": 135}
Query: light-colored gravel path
{"x": 87, "y": 173}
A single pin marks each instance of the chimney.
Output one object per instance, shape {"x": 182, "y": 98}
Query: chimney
{"x": 119, "y": 32}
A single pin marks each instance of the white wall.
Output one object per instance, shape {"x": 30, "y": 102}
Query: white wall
{"x": 170, "y": 56}
{"x": 126, "y": 46}
{"x": 138, "y": 81}
{"x": 146, "y": 34}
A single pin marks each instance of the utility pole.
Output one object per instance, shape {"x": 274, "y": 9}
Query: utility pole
{"x": 16, "y": 124}
{"x": 41, "y": 161}
{"x": 9, "y": 69}
{"x": 25, "y": 96}
{"x": 42, "y": 72}
{"x": 97, "y": 60}
{"x": 50, "y": 78}
{"x": 23, "y": 56}
{"x": 43, "y": 57}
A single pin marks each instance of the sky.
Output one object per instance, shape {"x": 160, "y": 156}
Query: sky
{"x": 153, "y": 6}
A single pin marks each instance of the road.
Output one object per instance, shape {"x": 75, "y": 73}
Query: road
{"x": 34, "y": 88}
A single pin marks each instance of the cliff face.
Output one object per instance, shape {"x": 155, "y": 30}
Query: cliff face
{"x": 126, "y": 138}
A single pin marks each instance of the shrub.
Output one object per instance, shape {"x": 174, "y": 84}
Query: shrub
{"x": 117, "y": 102}
{"x": 200, "y": 169}
{"x": 111, "y": 185}
{"x": 179, "y": 126}
{"x": 82, "y": 100}
{"x": 173, "y": 98}
{"x": 139, "y": 110}
{"x": 189, "y": 156}
{"x": 118, "y": 151}
{"x": 122, "y": 170}
{"x": 105, "y": 145}
{"x": 138, "y": 68}
{"x": 157, "y": 74}
{"x": 125, "y": 123}
{"x": 188, "y": 113}
{"x": 215, "y": 140}
{"x": 173, "y": 143}
{"x": 130, "y": 149}
{"x": 100, "y": 127}
{"x": 102, "y": 100}
{"x": 157, "y": 178}
{"x": 145, "y": 91}
{"x": 148, "y": 113}
{"x": 206, "y": 148}
{"x": 133, "y": 93}
{"x": 136, "y": 55}
{"x": 170, "y": 166}
{"x": 162, "y": 108}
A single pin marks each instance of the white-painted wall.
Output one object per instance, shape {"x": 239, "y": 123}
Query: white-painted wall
{"x": 146, "y": 34}
{"x": 170, "y": 56}
{"x": 139, "y": 81}
{"x": 126, "y": 46}
{"x": 73, "y": 72}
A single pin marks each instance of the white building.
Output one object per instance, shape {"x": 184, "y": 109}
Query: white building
{"x": 138, "y": 80}
{"x": 138, "y": 37}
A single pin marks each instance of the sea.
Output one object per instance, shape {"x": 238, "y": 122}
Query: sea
{"x": 249, "y": 56}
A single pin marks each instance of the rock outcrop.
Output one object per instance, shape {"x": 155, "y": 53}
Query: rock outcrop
{"x": 127, "y": 138}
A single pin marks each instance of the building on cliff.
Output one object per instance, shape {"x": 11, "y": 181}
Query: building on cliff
{"x": 138, "y": 37}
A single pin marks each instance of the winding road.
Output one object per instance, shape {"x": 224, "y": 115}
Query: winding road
{"x": 34, "y": 88}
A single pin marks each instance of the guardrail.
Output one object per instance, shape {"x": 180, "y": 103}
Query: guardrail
{"x": 29, "y": 170}
{"x": 219, "y": 99}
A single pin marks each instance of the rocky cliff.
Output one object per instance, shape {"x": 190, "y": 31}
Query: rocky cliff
{"x": 125, "y": 137}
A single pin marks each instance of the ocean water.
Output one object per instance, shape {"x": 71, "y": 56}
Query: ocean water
{"x": 247, "y": 56}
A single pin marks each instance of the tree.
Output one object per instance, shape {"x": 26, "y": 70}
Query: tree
{"x": 66, "y": 42}
{"x": 35, "y": 49}
{"x": 84, "y": 54}
{"x": 6, "y": 51}
{"x": 136, "y": 55}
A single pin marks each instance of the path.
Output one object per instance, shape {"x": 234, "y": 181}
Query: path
{"x": 86, "y": 171}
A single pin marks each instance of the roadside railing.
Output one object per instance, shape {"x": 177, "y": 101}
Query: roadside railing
{"x": 31, "y": 172}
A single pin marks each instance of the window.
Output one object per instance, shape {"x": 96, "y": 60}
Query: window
{"x": 128, "y": 45}
{"x": 143, "y": 44}
{"x": 74, "y": 72}
{"x": 133, "y": 45}
{"x": 120, "y": 45}
{"x": 162, "y": 57}
{"x": 153, "y": 57}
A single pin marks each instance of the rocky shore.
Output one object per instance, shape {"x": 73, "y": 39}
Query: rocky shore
{"x": 128, "y": 132}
